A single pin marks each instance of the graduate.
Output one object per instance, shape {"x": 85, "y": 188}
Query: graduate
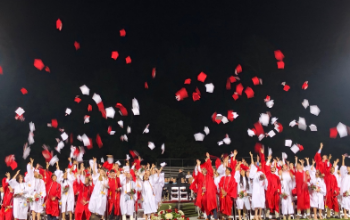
{"x": 114, "y": 195}
{"x": 227, "y": 192}
{"x": 243, "y": 189}
{"x": 20, "y": 206}
{"x": 148, "y": 194}
{"x": 128, "y": 194}
{"x": 317, "y": 192}
{"x": 53, "y": 195}
{"x": 6, "y": 212}
{"x": 84, "y": 188}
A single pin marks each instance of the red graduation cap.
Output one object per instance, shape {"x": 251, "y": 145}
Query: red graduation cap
{"x": 280, "y": 65}
{"x": 54, "y": 123}
{"x": 77, "y": 99}
{"x": 235, "y": 96}
{"x": 279, "y": 55}
{"x": 233, "y": 79}
{"x": 249, "y": 92}
{"x": 333, "y": 132}
{"x": 154, "y": 72}
{"x": 133, "y": 154}
{"x": 114, "y": 55}
{"x": 181, "y": 94}
{"x": 286, "y": 88}
{"x": 76, "y": 45}
{"x": 109, "y": 130}
{"x": 258, "y": 147}
{"x": 47, "y": 69}
{"x": 38, "y": 63}
{"x": 1, "y": 72}
{"x": 258, "y": 129}
{"x": 238, "y": 69}
{"x": 256, "y": 80}
{"x": 90, "y": 146}
{"x": 10, "y": 161}
{"x": 47, "y": 155}
{"x": 99, "y": 141}
{"x": 228, "y": 84}
{"x": 196, "y": 96}
{"x": 122, "y": 33}
{"x": 13, "y": 165}
{"x": 230, "y": 115}
{"x": 239, "y": 89}
{"x": 122, "y": 109}
{"x": 279, "y": 127}
{"x": 89, "y": 108}
{"x": 24, "y": 91}
{"x": 188, "y": 81}
{"x": 201, "y": 77}
{"x": 215, "y": 119}
{"x": 305, "y": 85}
{"x": 128, "y": 59}
{"x": 300, "y": 147}
{"x": 146, "y": 85}
{"x": 59, "y": 24}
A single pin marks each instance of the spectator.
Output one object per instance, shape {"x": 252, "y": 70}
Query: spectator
{"x": 180, "y": 175}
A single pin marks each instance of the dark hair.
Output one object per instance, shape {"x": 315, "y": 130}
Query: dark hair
{"x": 53, "y": 175}
{"x": 17, "y": 177}
{"x": 228, "y": 168}
{"x": 246, "y": 181}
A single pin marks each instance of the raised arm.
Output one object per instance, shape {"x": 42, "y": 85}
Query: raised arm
{"x": 251, "y": 158}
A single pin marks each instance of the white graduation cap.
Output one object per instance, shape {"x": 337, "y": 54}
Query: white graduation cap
{"x": 227, "y": 140}
{"x": 163, "y": 164}
{"x": 86, "y": 119}
{"x": 199, "y": 136}
{"x": 314, "y": 110}
{"x": 224, "y": 120}
{"x": 97, "y": 98}
{"x": 26, "y": 151}
{"x": 31, "y": 126}
{"x": 53, "y": 160}
{"x": 20, "y": 111}
{"x": 292, "y": 123}
{"x": 85, "y": 90}
{"x": 110, "y": 112}
{"x": 264, "y": 119}
{"x": 206, "y": 130}
{"x": 80, "y": 155}
{"x": 68, "y": 111}
{"x": 305, "y": 103}
{"x": 151, "y": 145}
{"x": 124, "y": 138}
{"x": 135, "y": 107}
{"x": 284, "y": 156}
{"x": 85, "y": 139}
{"x": 64, "y": 136}
{"x": 118, "y": 162}
{"x": 128, "y": 130}
{"x": 31, "y": 138}
{"x": 295, "y": 148}
{"x": 121, "y": 123}
{"x": 261, "y": 136}
{"x": 271, "y": 133}
{"x": 127, "y": 157}
{"x": 273, "y": 120}
{"x": 288, "y": 143}
{"x": 102, "y": 160}
{"x": 163, "y": 148}
{"x": 209, "y": 87}
{"x": 235, "y": 115}
{"x": 251, "y": 133}
{"x": 269, "y": 151}
{"x": 313, "y": 127}
{"x": 220, "y": 143}
{"x": 219, "y": 117}
{"x": 342, "y": 130}
{"x": 146, "y": 130}
{"x": 302, "y": 124}
{"x": 72, "y": 150}
{"x": 60, "y": 146}
{"x": 270, "y": 103}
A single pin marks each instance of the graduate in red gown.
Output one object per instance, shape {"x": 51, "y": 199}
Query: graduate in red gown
{"x": 6, "y": 212}
{"x": 302, "y": 189}
{"x": 332, "y": 192}
{"x": 114, "y": 195}
{"x": 53, "y": 195}
{"x": 109, "y": 163}
{"x": 85, "y": 188}
{"x": 227, "y": 192}
{"x": 323, "y": 165}
{"x": 206, "y": 195}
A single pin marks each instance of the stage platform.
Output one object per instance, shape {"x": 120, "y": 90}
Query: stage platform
{"x": 186, "y": 206}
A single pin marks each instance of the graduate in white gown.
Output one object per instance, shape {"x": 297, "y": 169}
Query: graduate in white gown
{"x": 36, "y": 189}
{"x": 128, "y": 194}
{"x": 98, "y": 199}
{"x": 66, "y": 180}
{"x": 158, "y": 179}
{"x": 318, "y": 193}
{"x": 287, "y": 186}
{"x": 148, "y": 194}
{"x": 243, "y": 188}
{"x": 259, "y": 186}
{"x": 345, "y": 187}
{"x": 20, "y": 206}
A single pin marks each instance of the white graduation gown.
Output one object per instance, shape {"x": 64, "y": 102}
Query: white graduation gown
{"x": 345, "y": 186}
{"x": 158, "y": 187}
{"x": 259, "y": 187}
{"x": 287, "y": 186}
{"x": 317, "y": 198}
{"x": 98, "y": 199}
{"x": 241, "y": 202}
{"x": 20, "y": 206}
{"x": 148, "y": 196}
{"x": 35, "y": 186}
{"x": 67, "y": 199}
{"x": 127, "y": 202}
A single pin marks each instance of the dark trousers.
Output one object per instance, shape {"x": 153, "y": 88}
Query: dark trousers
{"x": 112, "y": 216}
{"x": 50, "y": 217}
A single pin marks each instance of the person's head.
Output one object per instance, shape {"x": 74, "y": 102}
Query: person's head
{"x": 318, "y": 173}
{"x": 324, "y": 158}
{"x": 36, "y": 173}
{"x": 291, "y": 166}
{"x": 242, "y": 172}
{"x": 298, "y": 166}
{"x": 19, "y": 178}
{"x": 146, "y": 177}
{"x": 87, "y": 180}
{"x": 53, "y": 177}
{"x": 190, "y": 180}
{"x": 332, "y": 170}
{"x": 112, "y": 173}
{"x": 204, "y": 171}
{"x": 180, "y": 170}
{"x": 128, "y": 176}
{"x": 228, "y": 171}
{"x": 273, "y": 169}
{"x": 284, "y": 167}
{"x": 182, "y": 180}
{"x": 103, "y": 172}
{"x": 188, "y": 173}
{"x": 153, "y": 171}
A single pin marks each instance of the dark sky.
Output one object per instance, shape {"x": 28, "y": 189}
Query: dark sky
{"x": 180, "y": 39}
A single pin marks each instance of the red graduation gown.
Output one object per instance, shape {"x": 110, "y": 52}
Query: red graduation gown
{"x": 273, "y": 191}
{"x": 229, "y": 185}
{"x": 332, "y": 192}
{"x": 323, "y": 167}
{"x": 114, "y": 196}
{"x": 6, "y": 212}
{"x": 53, "y": 195}
{"x": 206, "y": 201}
{"x": 83, "y": 196}
{"x": 302, "y": 189}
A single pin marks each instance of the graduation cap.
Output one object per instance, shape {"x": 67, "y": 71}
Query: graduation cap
{"x": 314, "y": 110}
{"x": 59, "y": 146}
{"x": 86, "y": 119}
{"x": 196, "y": 96}
{"x": 305, "y": 103}
{"x": 163, "y": 148}
{"x": 201, "y": 77}
{"x": 313, "y": 127}
{"x": 239, "y": 89}
{"x": 110, "y": 112}
{"x": 296, "y": 148}
{"x": 251, "y": 132}
{"x": 235, "y": 96}
{"x": 84, "y": 90}
{"x": 47, "y": 69}
{"x": 151, "y": 145}
{"x": 109, "y": 130}
{"x": 199, "y": 136}
{"x": 249, "y": 92}
{"x": 10, "y": 161}
{"x": 181, "y": 94}
{"x": 146, "y": 130}
{"x": 76, "y": 45}
{"x": 206, "y": 130}
{"x": 293, "y": 123}
{"x": 302, "y": 123}
{"x": 38, "y": 63}
{"x": 53, "y": 160}
{"x": 99, "y": 141}
{"x": 122, "y": 32}
{"x": 89, "y": 108}
{"x": 264, "y": 119}
{"x": 128, "y": 130}
{"x": 24, "y": 91}
{"x": 256, "y": 80}
{"x": 279, "y": 55}
{"x": 26, "y": 151}
{"x": 305, "y": 85}
{"x": 288, "y": 143}
{"x": 209, "y": 87}
{"x": 68, "y": 111}
{"x": 163, "y": 164}
{"x": 114, "y": 55}
{"x": 187, "y": 81}
{"x": 59, "y": 24}
{"x": 342, "y": 130}
{"x": 1, "y": 71}
{"x": 121, "y": 123}
{"x": 128, "y": 60}
{"x": 238, "y": 69}
{"x": 54, "y": 123}
{"x": 280, "y": 65}
{"x": 77, "y": 99}
{"x": 135, "y": 107}
{"x": 227, "y": 140}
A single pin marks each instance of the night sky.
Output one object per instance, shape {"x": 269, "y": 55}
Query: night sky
{"x": 180, "y": 39}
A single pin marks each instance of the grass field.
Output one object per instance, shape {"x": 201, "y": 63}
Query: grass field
{"x": 188, "y": 208}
